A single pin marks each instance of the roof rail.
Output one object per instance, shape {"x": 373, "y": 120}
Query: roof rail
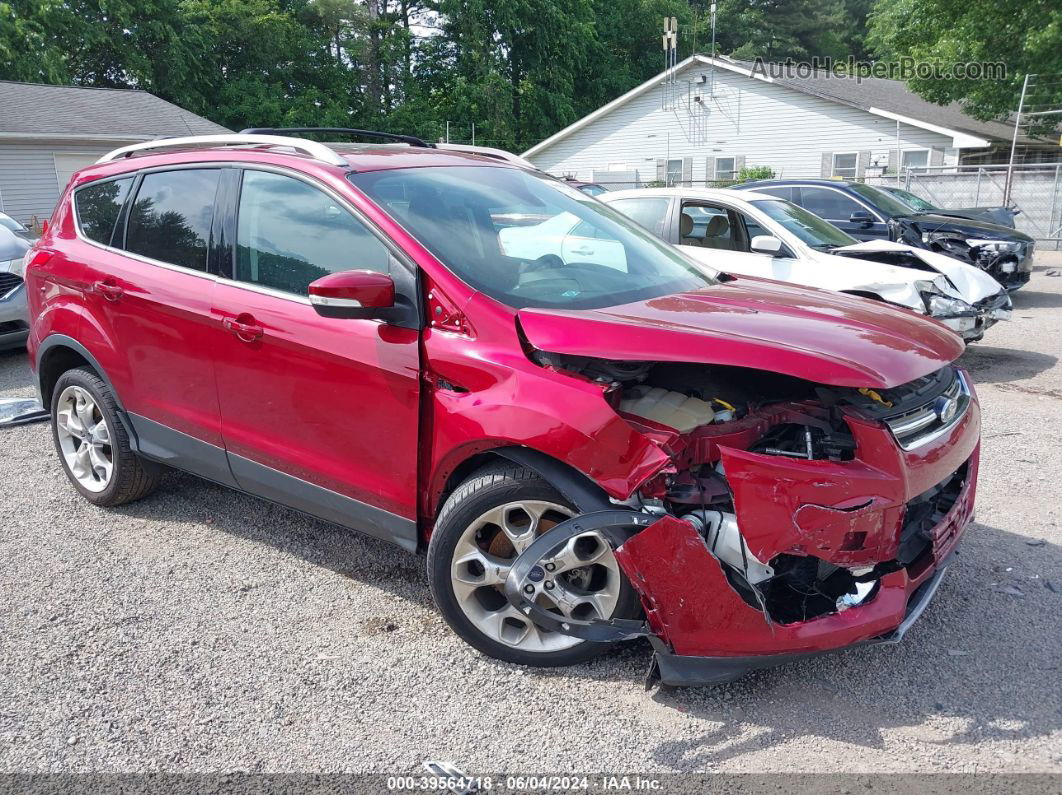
{"x": 412, "y": 140}
{"x": 317, "y": 151}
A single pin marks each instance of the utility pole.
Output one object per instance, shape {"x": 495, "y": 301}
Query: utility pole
{"x": 473, "y": 133}
{"x": 1014, "y": 142}
{"x": 447, "y": 132}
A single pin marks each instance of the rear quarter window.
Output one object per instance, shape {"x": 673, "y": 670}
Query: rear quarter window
{"x": 98, "y": 206}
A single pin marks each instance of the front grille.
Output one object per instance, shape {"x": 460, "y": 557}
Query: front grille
{"x": 921, "y": 425}
{"x": 925, "y": 513}
{"x": 12, "y": 326}
{"x": 8, "y": 282}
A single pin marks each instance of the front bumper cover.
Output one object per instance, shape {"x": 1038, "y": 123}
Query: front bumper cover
{"x": 702, "y": 630}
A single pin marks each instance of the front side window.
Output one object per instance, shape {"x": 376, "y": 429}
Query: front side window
{"x": 844, "y": 165}
{"x": 510, "y": 234}
{"x": 98, "y": 206}
{"x": 289, "y": 234}
{"x": 171, "y": 217}
{"x": 710, "y": 226}
{"x": 813, "y": 230}
{"x": 829, "y": 203}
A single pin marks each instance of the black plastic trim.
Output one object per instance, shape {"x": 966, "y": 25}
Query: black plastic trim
{"x": 181, "y": 450}
{"x": 279, "y": 487}
{"x": 586, "y": 495}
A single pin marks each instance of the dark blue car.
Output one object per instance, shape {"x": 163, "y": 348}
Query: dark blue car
{"x": 867, "y": 212}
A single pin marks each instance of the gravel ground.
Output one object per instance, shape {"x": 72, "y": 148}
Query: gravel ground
{"x": 201, "y": 630}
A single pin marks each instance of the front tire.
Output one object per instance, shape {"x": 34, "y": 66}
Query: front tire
{"x": 93, "y": 445}
{"x": 487, "y": 521}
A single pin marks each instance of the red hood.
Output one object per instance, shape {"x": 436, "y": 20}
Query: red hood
{"x": 816, "y": 335}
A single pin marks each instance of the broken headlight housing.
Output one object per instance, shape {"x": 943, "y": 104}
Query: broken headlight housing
{"x": 937, "y": 301}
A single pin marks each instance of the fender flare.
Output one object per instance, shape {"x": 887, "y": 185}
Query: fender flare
{"x": 583, "y": 493}
{"x": 63, "y": 341}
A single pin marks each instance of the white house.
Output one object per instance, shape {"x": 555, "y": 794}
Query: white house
{"x": 708, "y": 118}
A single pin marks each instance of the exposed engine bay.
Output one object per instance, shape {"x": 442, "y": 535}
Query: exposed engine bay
{"x": 809, "y": 554}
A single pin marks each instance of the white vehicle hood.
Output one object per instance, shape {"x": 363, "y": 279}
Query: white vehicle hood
{"x": 970, "y": 282}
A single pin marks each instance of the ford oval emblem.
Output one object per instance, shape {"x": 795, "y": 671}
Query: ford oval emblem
{"x": 946, "y": 408}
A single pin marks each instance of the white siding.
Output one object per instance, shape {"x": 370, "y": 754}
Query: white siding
{"x": 28, "y": 183}
{"x": 766, "y": 123}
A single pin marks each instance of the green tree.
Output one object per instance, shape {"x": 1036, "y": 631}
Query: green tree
{"x": 1025, "y": 35}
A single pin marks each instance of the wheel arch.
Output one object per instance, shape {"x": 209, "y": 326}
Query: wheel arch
{"x": 584, "y": 493}
{"x": 59, "y": 353}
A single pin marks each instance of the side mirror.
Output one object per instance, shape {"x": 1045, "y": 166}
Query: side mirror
{"x": 861, "y": 217}
{"x": 352, "y": 294}
{"x": 766, "y": 244}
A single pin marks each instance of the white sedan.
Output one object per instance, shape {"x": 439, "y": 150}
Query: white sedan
{"x": 760, "y": 235}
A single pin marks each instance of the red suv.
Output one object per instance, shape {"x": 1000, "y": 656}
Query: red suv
{"x": 740, "y": 470}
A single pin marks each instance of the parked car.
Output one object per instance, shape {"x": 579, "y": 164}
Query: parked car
{"x": 867, "y": 212}
{"x": 9, "y": 223}
{"x": 1004, "y": 216}
{"x": 761, "y": 235}
{"x": 13, "y": 318}
{"x": 776, "y": 470}
{"x": 589, "y": 188}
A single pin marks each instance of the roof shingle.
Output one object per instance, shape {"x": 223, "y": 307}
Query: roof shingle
{"x": 37, "y": 109}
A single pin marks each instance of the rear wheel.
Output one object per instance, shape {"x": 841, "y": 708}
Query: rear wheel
{"x": 92, "y": 442}
{"x": 484, "y": 525}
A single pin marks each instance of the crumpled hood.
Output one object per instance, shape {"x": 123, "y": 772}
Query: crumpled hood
{"x": 968, "y": 227}
{"x": 816, "y": 335}
{"x": 972, "y": 283}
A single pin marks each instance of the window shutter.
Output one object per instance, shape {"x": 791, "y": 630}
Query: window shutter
{"x": 739, "y": 163}
{"x": 661, "y": 170}
{"x": 687, "y": 171}
{"x": 862, "y": 161}
{"x": 827, "y": 164}
{"x": 709, "y": 169}
{"x": 894, "y": 164}
{"x": 936, "y": 156}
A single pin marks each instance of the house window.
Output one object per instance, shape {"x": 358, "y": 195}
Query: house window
{"x": 915, "y": 159}
{"x": 724, "y": 168}
{"x": 844, "y": 165}
{"x": 674, "y": 171}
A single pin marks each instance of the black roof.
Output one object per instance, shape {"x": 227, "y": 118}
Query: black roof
{"x": 37, "y": 109}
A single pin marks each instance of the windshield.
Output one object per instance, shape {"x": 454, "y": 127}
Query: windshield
{"x": 813, "y": 230}
{"x": 528, "y": 240}
{"x": 916, "y": 203}
{"x": 882, "y": 200}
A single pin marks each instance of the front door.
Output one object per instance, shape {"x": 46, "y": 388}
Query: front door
{"x": 148, "y": 283}
{"x": 320, "y": 414}
{"x": 843, "y": 211}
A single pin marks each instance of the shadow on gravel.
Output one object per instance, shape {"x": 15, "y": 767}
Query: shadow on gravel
{"x": 1028, "y": 299}
{"x": 982, "y": 665}
{"x": 990, "y": 365}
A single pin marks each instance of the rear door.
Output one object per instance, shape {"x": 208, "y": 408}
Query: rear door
{"x": 318, "y": 413}
{"x": 149, "y": 289}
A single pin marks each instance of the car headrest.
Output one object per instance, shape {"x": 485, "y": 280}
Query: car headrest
{"x": 717, "y": 226}
{"x": 685, "y": 225}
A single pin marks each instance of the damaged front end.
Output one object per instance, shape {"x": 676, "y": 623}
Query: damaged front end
{"x": 793, "y": 518}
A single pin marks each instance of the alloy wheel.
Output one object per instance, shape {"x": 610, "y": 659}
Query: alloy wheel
{"x": 84, "y": 439}
{"x": 584, "y": 585}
